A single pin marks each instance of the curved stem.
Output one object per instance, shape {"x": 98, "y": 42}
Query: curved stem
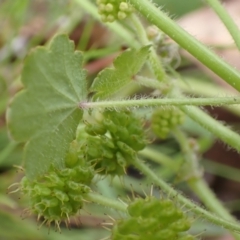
{"x": 226, "y": 19}
{"x": 196, "y": 209}
{"x": 188, "y": 42}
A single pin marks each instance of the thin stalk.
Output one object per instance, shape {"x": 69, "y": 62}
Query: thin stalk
{"x": 196, "y": 87}
{"x": 221, "y": 170}
{"x": 188, "y": 42}
{"x": 197, "y": 184}
{"x": 186, "y": 202}
{"x": 162, "y": 102}
{"x": 201, "y": 189}
{"x": 156, "y": 64}
{"x": 159, "y": 158}
{"x": 226, "y": 19}
{"x": 224, "y": 133}
{"x": 107, "y": 202}
{"x": 191, "y": 168}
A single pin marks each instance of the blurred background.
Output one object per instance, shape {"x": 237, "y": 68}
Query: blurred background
{"x": 25, "y": 24}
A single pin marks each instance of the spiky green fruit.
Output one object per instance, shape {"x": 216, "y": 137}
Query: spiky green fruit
{"x": 58, "y": 194}
{"x": 113, "y": 141}
{"x": 153, "y": 219}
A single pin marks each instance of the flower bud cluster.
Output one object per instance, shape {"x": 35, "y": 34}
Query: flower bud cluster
{"x": 113, "y": 142}
{"x": 153, "y": 219}
{"x": 58, "y": 194}
{"x": 111, "y": 10}
{"x": 166, "y": 119}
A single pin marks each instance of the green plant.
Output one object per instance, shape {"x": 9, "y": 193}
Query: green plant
{"x": 74, "y": 132}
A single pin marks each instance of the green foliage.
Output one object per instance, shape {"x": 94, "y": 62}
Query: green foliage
{"x": 63, "y": 154}
{"x": 111, "y": 80}
{"x": 153, "y": 219}
{"x": 46, "y": 112}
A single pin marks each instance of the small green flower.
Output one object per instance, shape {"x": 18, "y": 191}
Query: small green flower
{"x": 111, "y": 10}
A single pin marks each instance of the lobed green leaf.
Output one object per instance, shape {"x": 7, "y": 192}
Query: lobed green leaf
{"x": 111, "y": 80}
{"x": 45, "y": 114}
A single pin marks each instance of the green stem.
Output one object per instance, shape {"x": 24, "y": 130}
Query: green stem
{"x": 191, "y": 168}
{"x": 201, "y": 189}
{"x": 209, "y": 199}
{"x": 107, "y": 202}
{"x": 159, "y": 158}
{"x": 196, "y": 183}
{"x": 222, "y": 170}
{"x": 224, "y": 133}
{"x": 194, "y": 208}
{"x": 226, "y": 19}
{"x": 188, "y": 42}
{"x": 196, "y": 87}
{"x": 153, "y": 58}
{"x": 162, "y": 102}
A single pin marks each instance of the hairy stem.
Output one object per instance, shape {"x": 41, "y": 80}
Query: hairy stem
{"x": 191, "y": 168}
{"x": 224, "y": 133}
{"x": 196, "y": 183}
{"x": 201, "y": 189}
{"x": 188, "y": 42}
{"x": 162, "y": 102}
